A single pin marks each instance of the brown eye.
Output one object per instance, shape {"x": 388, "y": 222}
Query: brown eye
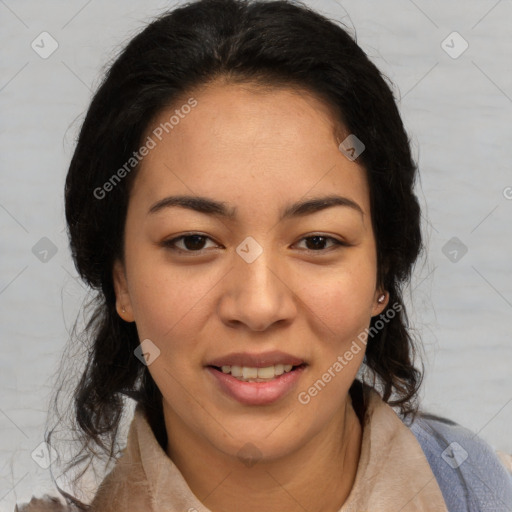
{"x": 317, "y": 243}
{"x": 188, "y": 243}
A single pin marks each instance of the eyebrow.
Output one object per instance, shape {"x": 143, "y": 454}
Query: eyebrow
{"x": 221, "y": 209}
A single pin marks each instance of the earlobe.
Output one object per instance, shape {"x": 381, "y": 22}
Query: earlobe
{"x": 123, "y": 303}
{"x": 381, "y": 302}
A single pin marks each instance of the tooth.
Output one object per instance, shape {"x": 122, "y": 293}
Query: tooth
{"x": 266, "y": 373}
{"x": 248, "y": 373}
{"x": 236, "y": 371}
{"x": 279, "y": 369}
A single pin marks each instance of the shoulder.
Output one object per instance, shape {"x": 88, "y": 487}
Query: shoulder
{"x": 44, "y": 504}
{"x": 468, "y": 470}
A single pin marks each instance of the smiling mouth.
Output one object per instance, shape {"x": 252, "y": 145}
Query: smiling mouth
{"x": 253, "y": 374}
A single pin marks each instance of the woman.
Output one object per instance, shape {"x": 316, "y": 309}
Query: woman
{"x": 241, "y": 197}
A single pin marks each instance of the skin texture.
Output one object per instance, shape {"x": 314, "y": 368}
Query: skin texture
{"x": 257, "y": 150}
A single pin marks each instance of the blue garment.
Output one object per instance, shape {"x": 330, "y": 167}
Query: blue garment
{"x": 469, "y": 473}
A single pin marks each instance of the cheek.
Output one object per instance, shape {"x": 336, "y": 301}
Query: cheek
{"x": 166, "y": 297}
{"x": 341, "y": 301}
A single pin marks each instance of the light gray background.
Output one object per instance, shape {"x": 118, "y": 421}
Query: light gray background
{"x": 456, "y": 110}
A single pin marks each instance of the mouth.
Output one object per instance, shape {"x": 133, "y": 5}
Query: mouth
{"x": 256, "y": 379}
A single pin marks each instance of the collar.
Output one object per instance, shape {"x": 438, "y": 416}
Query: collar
{"x": 393, "y": 472}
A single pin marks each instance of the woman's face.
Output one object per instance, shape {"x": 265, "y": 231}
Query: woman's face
{"x": 263, "y": 280}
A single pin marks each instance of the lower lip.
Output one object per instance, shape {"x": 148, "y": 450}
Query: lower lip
{"x": 257, "y": 393}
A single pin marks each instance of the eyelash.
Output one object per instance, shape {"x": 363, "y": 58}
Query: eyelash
{"x": 170, "y": 244}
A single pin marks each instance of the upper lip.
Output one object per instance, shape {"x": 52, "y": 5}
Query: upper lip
{"x": 262, "y": 360}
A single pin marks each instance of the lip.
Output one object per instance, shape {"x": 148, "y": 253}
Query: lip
{"x": 257, "y": 393}
{"x": 262, "y": 360}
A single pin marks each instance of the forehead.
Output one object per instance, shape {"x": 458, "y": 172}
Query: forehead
{"x": 245, "y": 139}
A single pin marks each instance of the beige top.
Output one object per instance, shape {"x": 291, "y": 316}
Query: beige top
{"x": 393, "y": 473}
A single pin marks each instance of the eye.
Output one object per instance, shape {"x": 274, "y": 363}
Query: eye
{"x": 317, "y": 242}
{"x": 193, "y": 242}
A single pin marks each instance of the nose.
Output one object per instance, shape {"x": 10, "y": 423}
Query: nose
{"x": 257, "y": 294}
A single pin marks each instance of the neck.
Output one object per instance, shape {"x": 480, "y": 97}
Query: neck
{"x": 317, "y": 477}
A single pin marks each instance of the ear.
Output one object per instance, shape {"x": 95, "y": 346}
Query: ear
{"x": 380, "y": 302}
{"x": 122, "y": 294}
